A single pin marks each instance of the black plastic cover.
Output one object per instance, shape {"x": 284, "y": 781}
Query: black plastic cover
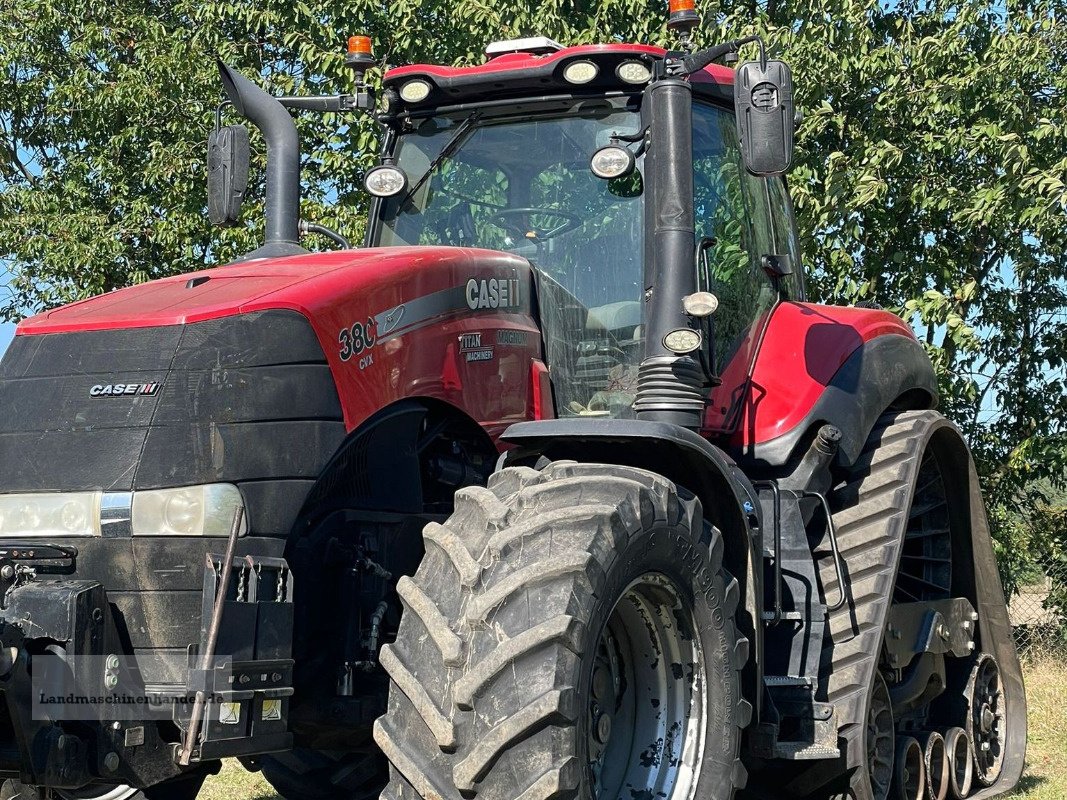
{"x": 246, "y": 399}
{"x": 227, "y": 173}
{"x": 765, "y": 116}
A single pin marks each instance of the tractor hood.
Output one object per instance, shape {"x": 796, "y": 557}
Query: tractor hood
{"x": 309, "y": 284}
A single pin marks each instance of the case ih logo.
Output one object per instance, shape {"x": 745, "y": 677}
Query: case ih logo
{"x": 492, "y": 293}
{"x": 125, "y": 389}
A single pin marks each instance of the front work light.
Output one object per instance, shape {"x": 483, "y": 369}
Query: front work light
{"x": 682, "y": 340}
{"x": 385, "y": 181}
{"x": 700, "y": 304}
{"x": 415, "y": 91}
{"x": 580, "y": 72}
{"x": 612, "y": 161}
{"x": 634, "y": 72}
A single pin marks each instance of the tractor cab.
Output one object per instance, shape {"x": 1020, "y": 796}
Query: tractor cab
{"x": 546, "y": 152}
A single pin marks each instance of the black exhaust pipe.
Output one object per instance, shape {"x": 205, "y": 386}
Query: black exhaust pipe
{"x": 282, "y": 233}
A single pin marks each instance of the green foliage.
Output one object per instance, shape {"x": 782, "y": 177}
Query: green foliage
{"x": 934, "y": 156}
{"x": 931, "y": 175}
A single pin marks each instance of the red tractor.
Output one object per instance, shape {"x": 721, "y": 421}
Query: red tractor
{"x": 557, "y": 487}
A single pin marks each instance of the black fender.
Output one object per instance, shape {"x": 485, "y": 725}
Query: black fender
{"x": 359, "y": 531}
{"x": 384, "y": 464}
{"x": 887, "y": 373}
{"x": 730, "y": 502}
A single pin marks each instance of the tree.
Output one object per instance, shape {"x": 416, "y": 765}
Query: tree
{"x": 930, "y": 177}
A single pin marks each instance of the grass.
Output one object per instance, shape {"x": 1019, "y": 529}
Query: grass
{"x": 1045, "y": 777}
{"x": 1046, "y": 755}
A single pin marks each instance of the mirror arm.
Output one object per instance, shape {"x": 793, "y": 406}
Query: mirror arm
{"x": 360, "y": 101}
{"x": 329, "y": 233}
{"x": 218, "y": 113}
{"x": 695, "y": 62}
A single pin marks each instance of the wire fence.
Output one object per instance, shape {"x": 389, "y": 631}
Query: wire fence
{"x": 1038, "y": 613}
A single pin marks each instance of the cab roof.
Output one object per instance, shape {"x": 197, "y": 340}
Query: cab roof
{"x": 539, "y": 70}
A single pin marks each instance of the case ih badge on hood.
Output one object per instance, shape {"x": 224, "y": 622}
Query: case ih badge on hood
{"x": 124, "y": 389}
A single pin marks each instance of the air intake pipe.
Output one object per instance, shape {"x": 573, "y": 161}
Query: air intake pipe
{"x": 671, "y": 385}
{"x": 282, "y": 234}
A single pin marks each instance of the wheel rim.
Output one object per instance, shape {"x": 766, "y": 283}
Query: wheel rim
{"x": 926, "y": 557}
{"x": 986, "y": 720}
{"x": 880, "y": 740}
{"x": 647, "y": 705}
{"x": 910, "y": 777}
{"x": 936, "y": 766}
{"x": 958, "y": 749}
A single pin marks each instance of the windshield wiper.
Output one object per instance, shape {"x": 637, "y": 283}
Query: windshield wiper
{"x": 449, "y": 148}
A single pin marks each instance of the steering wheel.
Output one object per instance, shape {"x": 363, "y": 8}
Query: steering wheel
{"x": 568, "y": 222}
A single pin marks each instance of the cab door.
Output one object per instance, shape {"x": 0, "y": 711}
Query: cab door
{"x": 739, "y": 219}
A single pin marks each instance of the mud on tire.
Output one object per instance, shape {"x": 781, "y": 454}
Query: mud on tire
{"x": 569, "y": 634}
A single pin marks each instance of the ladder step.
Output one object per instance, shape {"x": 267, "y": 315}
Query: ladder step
{"x": 788, "y": 680}
{"x": 801, "y": 751}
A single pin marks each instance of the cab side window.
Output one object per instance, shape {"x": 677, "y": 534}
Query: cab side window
{"x": 786, "y": 241}
{"x": 735, "y": 228}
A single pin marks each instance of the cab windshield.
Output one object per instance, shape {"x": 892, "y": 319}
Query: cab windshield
{"x": 524, "y": 186}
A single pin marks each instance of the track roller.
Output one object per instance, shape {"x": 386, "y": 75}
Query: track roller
{"x": 935, "y": 759}
{"x": 909, "y": 771}
{"x": 960, "y": 763}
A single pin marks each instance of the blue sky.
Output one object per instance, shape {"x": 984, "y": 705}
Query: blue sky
{"x": 7, "y": 330}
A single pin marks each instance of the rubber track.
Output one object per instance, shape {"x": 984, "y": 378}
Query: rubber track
{"x": 871, "y": 515}
{"x": 481, "y": 703}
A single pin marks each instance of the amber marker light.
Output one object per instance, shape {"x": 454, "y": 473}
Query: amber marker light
{"x": 683, "y": 15}
{"x": 360, "y": 51}
{"x": 360, "y": 45}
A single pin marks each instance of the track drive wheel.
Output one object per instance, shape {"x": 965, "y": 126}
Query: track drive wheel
{"x": 569, "y": 634}
{"x": 302, "y": 774}
{"x": 985, "y": 720}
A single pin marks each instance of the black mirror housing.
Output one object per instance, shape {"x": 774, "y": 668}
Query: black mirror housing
{"x": 227, "y": 173}
{"x": 765, "y": 116}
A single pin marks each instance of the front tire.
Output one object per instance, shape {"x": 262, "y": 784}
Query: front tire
{"x": 569, "y": 634}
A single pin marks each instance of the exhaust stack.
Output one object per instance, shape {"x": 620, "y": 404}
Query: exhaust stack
{"x": 282, "y": 233}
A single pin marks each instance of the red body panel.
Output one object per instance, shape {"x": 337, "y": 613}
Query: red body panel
{"x": 514, "y": 62}
{"x": 441, "y": 347}
{"x": 804, "y": 346}
{"x": 417, "y": 349}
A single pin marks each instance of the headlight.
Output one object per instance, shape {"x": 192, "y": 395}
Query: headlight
{"x": 580, "y": 72}
{"x": 634, "y": 72}
{"x": 385, "y": 181}
{"x": 415, "y": 91}
{"x": 65, "y": 514}
{"x": 612, "y": 162}
{"x": 206, "y": 510}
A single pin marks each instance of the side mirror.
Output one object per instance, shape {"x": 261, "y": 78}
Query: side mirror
{"x": 227, "y": 173}
{"x": 765, "y": 116}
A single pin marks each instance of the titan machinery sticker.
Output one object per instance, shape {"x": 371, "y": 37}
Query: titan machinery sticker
{"x": 471, "y": 345}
